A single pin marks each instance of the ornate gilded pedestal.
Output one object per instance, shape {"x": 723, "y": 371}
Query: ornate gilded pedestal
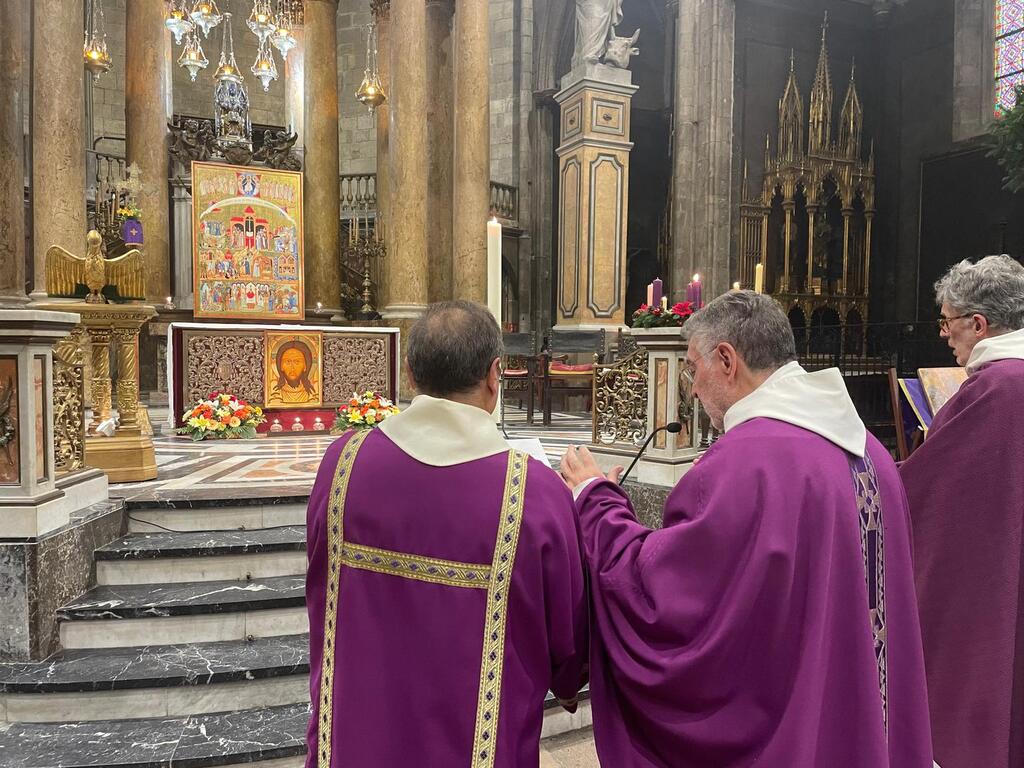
{"x": 593, "y": 195}
{"x": 112, "y": 330}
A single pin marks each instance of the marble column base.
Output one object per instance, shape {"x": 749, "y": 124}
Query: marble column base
{"x": 125, "y": 458}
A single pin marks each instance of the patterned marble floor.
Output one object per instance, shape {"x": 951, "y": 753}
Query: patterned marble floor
{"x": 285, "y": 466}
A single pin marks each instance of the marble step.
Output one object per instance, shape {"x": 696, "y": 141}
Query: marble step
{"x": 168, "y": 558}
{"x": 156, "y": 680}
{"x": 194, "y": 612}
{"x": 269, "y": 737}
{"x": 215, "y": 515}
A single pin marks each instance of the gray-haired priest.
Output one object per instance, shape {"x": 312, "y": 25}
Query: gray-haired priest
{"x": 966, "y": 492}
{"x": 445, "y": 586}
{"x": 772, "y": 621}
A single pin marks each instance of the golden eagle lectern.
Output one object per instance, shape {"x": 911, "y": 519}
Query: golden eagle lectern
{"x": 65, "y": 272}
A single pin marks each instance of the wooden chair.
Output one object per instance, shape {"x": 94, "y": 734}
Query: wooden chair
{"x": 519, "y": 371}
{"x": 560, "y": 377}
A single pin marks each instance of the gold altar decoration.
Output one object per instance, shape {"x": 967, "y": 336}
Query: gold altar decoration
{"x": 69, "y": 403}
{"x": 128, "y": 455}
{"x": 620, "y": 400}
{"x": 66, "y": 273}
{"x": 294, "y": 370}
{"x": 810, "y": 224}
{"x": 238, "y": 361}
{"x": 247, "y": 242}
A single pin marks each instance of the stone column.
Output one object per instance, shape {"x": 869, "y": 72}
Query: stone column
{"x": 789, "y": 206}
{"x": 322, "y": 206}
{"x": 406, "y": 263}
{"x": 13, "y": 104}
{"x": 147, "y": 101}
{"x": 58, "y": 133}
{"x": 847, "y": 214}
{"x": 812, "y": 211}
{"x": 471, "y": 198}
{"x": 702, "y": 153}
{"x": 294, "y": 80}
{"x": 382, "y": 15}
{"x": 99, "y": 351}
{"x": 869, "y": 217}
{"x": 439, "y": 150}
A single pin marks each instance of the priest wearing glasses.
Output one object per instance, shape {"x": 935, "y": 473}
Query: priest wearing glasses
{"x": 965, "y": 485}
{"x": 772, "y": 621}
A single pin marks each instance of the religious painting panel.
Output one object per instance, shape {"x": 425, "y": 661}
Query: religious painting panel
{"x": 10, "y": 443}
{"x": 294, "y": 370}
{"x": 247, "y": 242}
{"x": 940, "y": 384}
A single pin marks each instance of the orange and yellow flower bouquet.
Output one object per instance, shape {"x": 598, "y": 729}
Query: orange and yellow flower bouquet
{"x": 363, "y": 412}
{"x": 221, "y": 416}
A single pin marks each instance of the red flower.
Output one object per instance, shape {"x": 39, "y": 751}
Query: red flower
{"x": 656, "y": 311}
{"x": 683, "y": 309}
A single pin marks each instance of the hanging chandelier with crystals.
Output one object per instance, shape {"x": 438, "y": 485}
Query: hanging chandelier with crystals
{"x": 178, "y": 21}
{"x": 192, "y": 56}
{"x": 371, "y": 91}
{"x": 205, "y": 15}
{"x": 265, "y": 68}
{"x": 261, "y": 20}
{"x": 94, "y": 50}
{"x": 283, "y": 38}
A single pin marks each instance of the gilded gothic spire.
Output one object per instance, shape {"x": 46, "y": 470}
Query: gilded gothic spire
{"x": 791, "y": 116}
{"x": 822, "y": 99}
{"x": 851, "y": 125}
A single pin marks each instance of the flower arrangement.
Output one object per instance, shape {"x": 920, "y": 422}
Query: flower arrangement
{"x": 658, "y": 317}
{"x": 129, "y": 211}
{"x": 363, "y": 412}
{"x": 221, "y": 416}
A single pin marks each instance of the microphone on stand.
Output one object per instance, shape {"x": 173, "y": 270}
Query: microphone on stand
{"x": 673, "y": 427}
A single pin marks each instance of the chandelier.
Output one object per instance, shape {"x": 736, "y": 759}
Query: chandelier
{"x": 282, "y": 37}
{"x": 94, "y": 50}
{"x": 261, "y": 20}
{"x": 227, "y": 68}
{"x": 192, "y": 57}
{"x": 177, "y": 20}
{"x": 371, "y": 91}
{"x": 265, "y": 68}
{"x": 205, "y": 15}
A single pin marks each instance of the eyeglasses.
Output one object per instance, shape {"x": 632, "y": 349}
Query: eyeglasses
{"x": 945, "y": 321}
{"x": 689, "y": 370}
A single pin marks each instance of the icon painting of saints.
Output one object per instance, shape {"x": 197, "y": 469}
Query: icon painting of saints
{"x": 293, "y": 370}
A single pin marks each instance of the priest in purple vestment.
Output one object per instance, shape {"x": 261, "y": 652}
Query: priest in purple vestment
{"x": 965, "y": 485}
{"x": 772, "y": 621}
{"x": 445, "y": 587}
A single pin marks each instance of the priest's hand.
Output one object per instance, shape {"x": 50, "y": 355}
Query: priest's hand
{"x": 578, "y": 466}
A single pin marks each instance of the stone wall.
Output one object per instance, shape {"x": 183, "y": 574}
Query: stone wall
{"x": 358, "y": 128}
{"x": 505, "y": 63}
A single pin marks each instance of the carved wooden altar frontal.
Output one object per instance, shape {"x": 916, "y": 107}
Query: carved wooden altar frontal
{"x": 247, "y": 257}
{"x": 240, "y": 361}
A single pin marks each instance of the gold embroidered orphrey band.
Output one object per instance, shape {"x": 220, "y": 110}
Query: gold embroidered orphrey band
{"x": 495, "y": 578}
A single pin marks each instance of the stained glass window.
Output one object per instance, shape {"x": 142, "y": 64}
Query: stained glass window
{"x": 1009, "y": 52}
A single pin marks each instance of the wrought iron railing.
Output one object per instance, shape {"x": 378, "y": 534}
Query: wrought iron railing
{"x": 620, "y": 400}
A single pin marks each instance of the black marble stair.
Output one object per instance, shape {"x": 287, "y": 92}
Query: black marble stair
{"x": 199, "y": 741}
{"x": 146, "y": 601}
{"x": 150, "y": 546}
{"x": 159, "y": 666}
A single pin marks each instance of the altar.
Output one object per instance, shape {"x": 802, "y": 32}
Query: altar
{"x": 299, "y": 374}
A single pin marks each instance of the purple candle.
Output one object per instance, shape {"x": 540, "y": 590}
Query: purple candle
{"x": 656, "y": 286}
{"x": 697, "y": 304}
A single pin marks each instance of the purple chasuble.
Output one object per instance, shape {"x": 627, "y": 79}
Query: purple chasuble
{"x": 750, "y": 630}
{"x": 966, "y": 491}
{"x": 460, "y": 602}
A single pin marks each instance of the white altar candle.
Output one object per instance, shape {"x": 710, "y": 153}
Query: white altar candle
{"x": 759, "y": 278}
{"x": 494, "y": 268}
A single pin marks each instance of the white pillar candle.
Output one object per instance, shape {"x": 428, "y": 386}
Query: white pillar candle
{"x": 759, "y": 278}
{"x": 494, "y": 268}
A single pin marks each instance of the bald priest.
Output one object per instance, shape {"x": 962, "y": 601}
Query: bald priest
{"x": 445, "y": 587}
{"x": 772, "y": 621}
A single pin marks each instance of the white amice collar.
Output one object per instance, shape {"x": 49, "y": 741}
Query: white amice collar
{"x": 818, "y": 402}
{"x": 442, "y": 433}
{"x": 1009, "y": 346}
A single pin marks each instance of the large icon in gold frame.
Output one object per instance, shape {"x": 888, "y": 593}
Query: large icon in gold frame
{"x": 247, "y": 257}
{"x": 294, "y": 369}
